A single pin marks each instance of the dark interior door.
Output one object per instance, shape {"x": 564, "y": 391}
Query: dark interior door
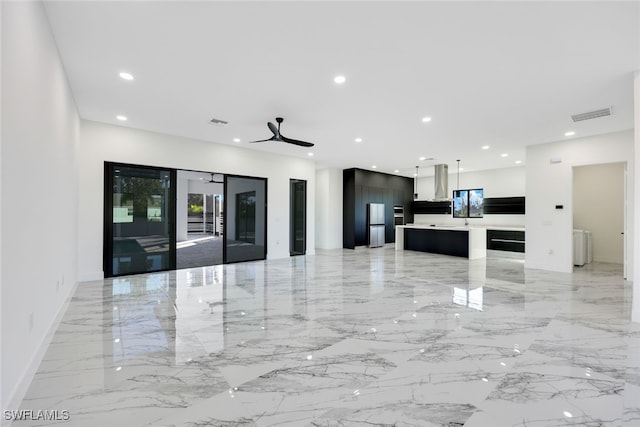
{"x": 298, "y": 217}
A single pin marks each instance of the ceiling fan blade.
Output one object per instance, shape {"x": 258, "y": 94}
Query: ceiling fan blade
{"x": 273, "y": 138}
{"x": 274, "y": 129}
{"x": 296, "y": 142}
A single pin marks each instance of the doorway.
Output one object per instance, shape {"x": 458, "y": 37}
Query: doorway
{"x": 297, "y": 217}
{"x": 599, "y": 206}
{"x": 200, "y": 219}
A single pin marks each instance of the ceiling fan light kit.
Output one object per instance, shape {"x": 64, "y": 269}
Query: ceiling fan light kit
{"x": 277, "y": 136}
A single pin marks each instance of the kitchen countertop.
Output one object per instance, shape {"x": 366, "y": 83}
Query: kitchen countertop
{"x": 464, "y": 227}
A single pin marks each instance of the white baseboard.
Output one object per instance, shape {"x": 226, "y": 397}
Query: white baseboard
{"x": 90, "y": 276}
{"x": 13, "y": 403}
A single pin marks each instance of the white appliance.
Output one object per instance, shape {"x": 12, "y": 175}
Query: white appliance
{"x": 589, "y": 239}
{"x": 579, "y": 248}
{"x": 375, "y": 224}
{"x": 580, "y": 251}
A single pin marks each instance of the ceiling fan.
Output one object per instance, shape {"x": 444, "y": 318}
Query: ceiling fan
{"x": 277, "y": 136}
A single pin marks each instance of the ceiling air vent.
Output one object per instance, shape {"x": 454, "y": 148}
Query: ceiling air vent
{"x": 591, "y": 115}
{"x": 218, "y": 122}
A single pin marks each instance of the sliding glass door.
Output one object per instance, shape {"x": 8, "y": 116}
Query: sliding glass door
{"x": 245, "y": 207}
{"x": 139, "y": 219}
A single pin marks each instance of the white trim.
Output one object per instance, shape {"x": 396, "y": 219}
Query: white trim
{"x": 14, "y": 401}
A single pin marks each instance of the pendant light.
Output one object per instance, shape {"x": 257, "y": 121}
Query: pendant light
{"x": 415, "y": 185}
{"x": 458, "y": 183}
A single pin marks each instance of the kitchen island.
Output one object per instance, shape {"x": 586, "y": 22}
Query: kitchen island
{"x": 462, "y": 241}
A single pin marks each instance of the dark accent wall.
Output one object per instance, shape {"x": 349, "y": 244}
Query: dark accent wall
{"x": 361, "y": 187}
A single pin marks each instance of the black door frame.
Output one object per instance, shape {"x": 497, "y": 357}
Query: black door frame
{"x": 107, "y": 254}
{"x": 225, "y": 232}
{"x": 292, "y": 236}
{"x": 107, "y": 238}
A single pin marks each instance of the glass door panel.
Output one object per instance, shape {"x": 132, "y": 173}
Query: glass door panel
{"x": 298, "y": 217}
{"x": 139, "y": 219}
{"x": 245, "y": 225}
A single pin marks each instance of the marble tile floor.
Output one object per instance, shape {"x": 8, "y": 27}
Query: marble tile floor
{"x": 370, "y": 337}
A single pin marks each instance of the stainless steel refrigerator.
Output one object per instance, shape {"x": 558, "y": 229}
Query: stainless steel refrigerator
{"x": 375, "y": 224}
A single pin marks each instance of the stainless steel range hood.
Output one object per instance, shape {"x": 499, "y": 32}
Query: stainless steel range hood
{"x": 441, "y": 182}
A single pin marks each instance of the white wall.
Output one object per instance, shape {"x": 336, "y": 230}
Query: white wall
{"x": 598, "y": 206}
{"x": 205, "y": 187}
{"x": 634, "y": 216}
{"x": 182, "y": 198}
{"x": 549, "y": 230}
{"x": 102, "y": 142}
{"x": 329, "y": 208}
{"x": 506, "y": 182}
{"x": 40, "y": 131}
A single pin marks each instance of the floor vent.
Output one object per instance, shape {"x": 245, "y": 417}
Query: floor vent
{"x": 591, "y": 115}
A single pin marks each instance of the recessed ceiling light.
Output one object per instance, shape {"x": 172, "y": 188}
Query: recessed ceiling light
{"x": 126, "y": 76}
{"x": 339, "y": 79}
{"x": 504, "y": 155}
{"x": 236, "y": 139}
{"x": 396, "y": 171}
{"x": 358, "y": 139}
{"x": 570, "y": 133}
{"x": 122, "y": 118}
{"x": 374, "y": 167}
{"x": 518, "y": 162}
{"x": 310, "y": 154}
{"x": 485, "y": 147}
{"x": 422, "y": 159}
{"x": 426, "y": 119}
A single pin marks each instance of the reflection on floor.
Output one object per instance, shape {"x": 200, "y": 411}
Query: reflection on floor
{"x": 348, "y": 338}
{"x": 199, "y": 251}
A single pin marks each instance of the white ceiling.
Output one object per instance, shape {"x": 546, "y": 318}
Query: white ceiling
{"x": 504, "y": 74}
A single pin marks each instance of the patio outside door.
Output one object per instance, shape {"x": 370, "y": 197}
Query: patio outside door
{"x": 245, "y": 226}
{"x": 139, "y": 219}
